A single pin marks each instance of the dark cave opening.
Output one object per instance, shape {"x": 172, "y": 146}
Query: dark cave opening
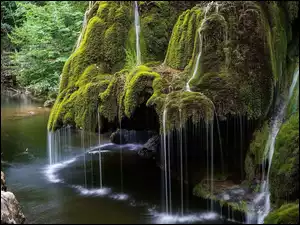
{"x": 220, "y": 149}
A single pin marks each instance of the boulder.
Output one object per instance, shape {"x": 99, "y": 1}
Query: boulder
{"x": 123, "y": 136}
{"x": 150, "y": 148}
{"x": 10, "y": 209}
{"x": 3, "y": 187}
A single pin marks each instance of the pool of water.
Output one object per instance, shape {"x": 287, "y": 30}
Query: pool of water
{"x": 69, "y": 191}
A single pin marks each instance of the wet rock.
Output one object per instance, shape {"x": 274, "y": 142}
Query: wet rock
{"x": 150, "y": 148}
{"x": 123, "y": 136}
{"x": 11, "y": 212}
{"x": 3, "y": 187}
{"x": 49, "y": 103}
{"x": 120, "y": 136}
{"x": 10, "y": 209}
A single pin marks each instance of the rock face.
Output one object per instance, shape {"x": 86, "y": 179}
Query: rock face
{"x": 10, "y": 208}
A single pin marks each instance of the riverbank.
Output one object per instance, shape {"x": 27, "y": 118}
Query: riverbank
{"x": 20, "y": 92}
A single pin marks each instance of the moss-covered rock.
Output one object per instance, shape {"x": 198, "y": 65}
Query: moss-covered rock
{"x": 181, "y": 44}
{"x": 286, "y": 214}
{"x": 256, "y": 152}
{"x": 243, "y": 48}
{"x": 284, "y": 174}
{"x": 157, "y": 21}
{"x": 86, "y": 72}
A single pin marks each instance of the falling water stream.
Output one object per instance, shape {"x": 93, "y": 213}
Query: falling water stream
{"x": 200, "y": 45}
{"x": 99, "y": 152}
{"x": 264, "y": 194}
{"x": 137, "y": 33}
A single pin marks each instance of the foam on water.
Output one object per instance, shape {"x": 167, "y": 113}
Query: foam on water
{"x": 95, "y": 191}
{"x": 121, "y": 197}
{"x": 51, "y": 170}
{"x": 164, "y": 218}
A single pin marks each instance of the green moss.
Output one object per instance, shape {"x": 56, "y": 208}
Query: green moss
{"x": 284, "y": 173}
{"x": 255, "y": 154}
{"x": 181, "y": 44}
{"x": 203, "y": 190}
{"x": 111, "y": 98}
{"x": 157, "y": 19}
{"x": 138, "y": 86}
{"x": 101, "y": 52}
{"x": 181, "y": 106}
{"x": 286, "y": 214}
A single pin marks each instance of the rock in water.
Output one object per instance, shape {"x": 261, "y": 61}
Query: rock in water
{"x": 10, "y": 208}
{"x": 121, "y": 136}
{"x": 150, "y": 147}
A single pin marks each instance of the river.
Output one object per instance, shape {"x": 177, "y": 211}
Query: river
{"x": 60, "y": 194}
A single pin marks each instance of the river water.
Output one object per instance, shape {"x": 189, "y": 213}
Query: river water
{"x": 60, "y": 194}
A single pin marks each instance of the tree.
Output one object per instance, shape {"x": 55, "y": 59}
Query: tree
{"x": 45, "y": 40}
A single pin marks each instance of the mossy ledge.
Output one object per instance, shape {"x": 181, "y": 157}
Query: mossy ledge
{"x": 286, "y": 214}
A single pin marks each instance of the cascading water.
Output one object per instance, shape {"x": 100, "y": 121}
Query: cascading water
{"x": 84, "y": 156}
{"x": 84, "y": 24}
{"x": 137, "y": 33}
{"x": 165, "y": 161}
{"x": 181, "y": 165}
{"x": 100, "y": 159}
{"x": 264, "y": 194}
{"x": 200, "y": 45}
{"x": 58, "y": 142}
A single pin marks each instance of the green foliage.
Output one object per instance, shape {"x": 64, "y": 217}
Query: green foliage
{"x": 45, "y": 39}
{"x": 284, "y": 175}
{"x": 286, "y": 214}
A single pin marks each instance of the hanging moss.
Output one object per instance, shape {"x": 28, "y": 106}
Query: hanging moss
{"x": 284, "y": 175}
{"x": 286, "y": 214}
{"x": 181, "y": 44}
{"x": 111, "y": 99}
{"x": 139, "y": 86}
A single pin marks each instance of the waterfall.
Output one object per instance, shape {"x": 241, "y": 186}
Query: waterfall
{"x": 137, "y": 33}
{"x": 99, "y": 142}
{"x": 269, "y": 151}
{"x": 212, "y": 161}
{"x": 181, "y": 165}
{"x": 295, "y": 80}
{"x": 165, "y": 161}
{"x": 84, "y": 24}
{"x": 57, "y": 143}
{"x": 200, "y": 45}
{"x": 84, "y": 156}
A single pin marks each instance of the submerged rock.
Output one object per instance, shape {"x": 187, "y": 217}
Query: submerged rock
{"x": 11, "y": 212}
